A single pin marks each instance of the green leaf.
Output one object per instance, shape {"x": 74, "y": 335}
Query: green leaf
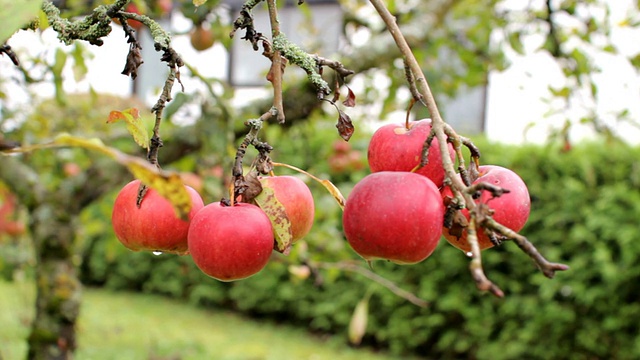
{"x": 135, "y": 126}
{"x": 15, "y": 14}
{"x": 515, "y": 42}
{"x": 80, "y": 55}
{"x": 280, "y": 222}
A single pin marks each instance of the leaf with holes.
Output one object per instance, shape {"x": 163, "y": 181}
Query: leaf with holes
{"x": 280, "y": 222}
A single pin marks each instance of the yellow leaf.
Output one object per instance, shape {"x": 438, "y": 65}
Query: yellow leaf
{"x": 90, "y": 144}
{"x": 333, "y": 190}
{"x": 199, "y": 2}
{"x": 358, "y": 323}
{"x": 135, "y": 126}
{"x": 168, "y": 184}
{"x": 280, "y": 222}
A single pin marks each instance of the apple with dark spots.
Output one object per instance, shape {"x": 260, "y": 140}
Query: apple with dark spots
{"x": 296, "y": 198}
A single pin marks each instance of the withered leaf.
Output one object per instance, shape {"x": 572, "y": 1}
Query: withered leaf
{"x": 344, "y": 125}
{"x": 350, "y": 101}
{"x": 134, "y": 60}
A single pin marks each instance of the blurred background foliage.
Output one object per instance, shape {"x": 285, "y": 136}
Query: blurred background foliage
{"x": 585, "y": 206}
{"x": 585, "y": 198}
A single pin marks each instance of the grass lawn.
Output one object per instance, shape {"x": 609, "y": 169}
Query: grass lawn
{"x": 134, "y": 326}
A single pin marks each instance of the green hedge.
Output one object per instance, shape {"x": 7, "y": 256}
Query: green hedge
{"x": 585, "y": 212}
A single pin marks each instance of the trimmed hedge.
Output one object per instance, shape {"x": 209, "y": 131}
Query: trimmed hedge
{"x": 585, "y": 212}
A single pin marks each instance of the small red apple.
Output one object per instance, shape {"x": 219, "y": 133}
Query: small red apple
{"x": 163, "y": 7}
{"x": 394, "y": 147}
{"x": 510, "y": 209}
{"x": 71, "y": 169}
{"x": 201, "y": 38}
{"x": 132, "y": 8}
{"x": 193, "y": 180}
{"x": 154, "y": 226}
{"x": 230, "y": 242}
{"x": 297, "y": 200}
{"x": 395, "y": 216}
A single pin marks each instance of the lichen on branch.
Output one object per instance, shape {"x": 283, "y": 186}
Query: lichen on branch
{"x": 302, "y": 59}
{"x": 91, "y": 28}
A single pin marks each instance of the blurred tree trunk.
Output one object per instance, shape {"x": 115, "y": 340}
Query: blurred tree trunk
{"x": 53, "y": 334}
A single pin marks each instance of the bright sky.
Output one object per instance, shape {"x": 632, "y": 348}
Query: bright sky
{"x": 516, "y": 97}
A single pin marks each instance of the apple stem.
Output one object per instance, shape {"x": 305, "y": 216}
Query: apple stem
{"x": 239, "y": 183}
{"x": 415, "y": 94}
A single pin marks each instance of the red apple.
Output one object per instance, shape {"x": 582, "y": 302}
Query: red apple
{"x": 510, "y": 209}
{"x": 154, "y": 226}
{"x": 395, "y": 216}
{"x": 297, "y": 200}
{"x": 230, "y": 242}
{"x": 393, "y": 147}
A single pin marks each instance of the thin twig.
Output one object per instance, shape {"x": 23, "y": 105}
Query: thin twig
{"x": 475, "y": 265}
{"x": 276, "y": 63}
{"x": 350, "y": 266}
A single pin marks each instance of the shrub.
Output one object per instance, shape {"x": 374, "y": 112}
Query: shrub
{"x": 585, "y": 211}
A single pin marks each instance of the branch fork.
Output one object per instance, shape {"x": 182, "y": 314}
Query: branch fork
{"x": 460, "y": 183}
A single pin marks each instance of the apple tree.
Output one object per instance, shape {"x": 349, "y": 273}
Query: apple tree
{"x": 422, "y": 182}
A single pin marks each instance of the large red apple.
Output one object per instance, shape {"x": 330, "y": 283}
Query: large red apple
{"x": 394, "y": 147}
{"x": 395, "y": 216}
{"x": 154, "y": 226}
{"x": 510, "y": 209}
{"x": 230, "y": 242}
{"x": 297, "y": 200}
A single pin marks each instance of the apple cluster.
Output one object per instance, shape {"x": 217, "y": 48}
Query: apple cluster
{"x": 226, "y": 242}
{"x": 397, "y": 212}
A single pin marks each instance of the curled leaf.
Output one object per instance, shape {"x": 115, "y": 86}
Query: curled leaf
{"x": 134, "y": 60}
{"x": 350, "y": 101}
{"x": 135, "y": 126}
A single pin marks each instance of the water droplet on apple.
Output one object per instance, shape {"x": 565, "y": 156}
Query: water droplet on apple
{"x": 157, "y": 253}
{"x": 469, "y": 254}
